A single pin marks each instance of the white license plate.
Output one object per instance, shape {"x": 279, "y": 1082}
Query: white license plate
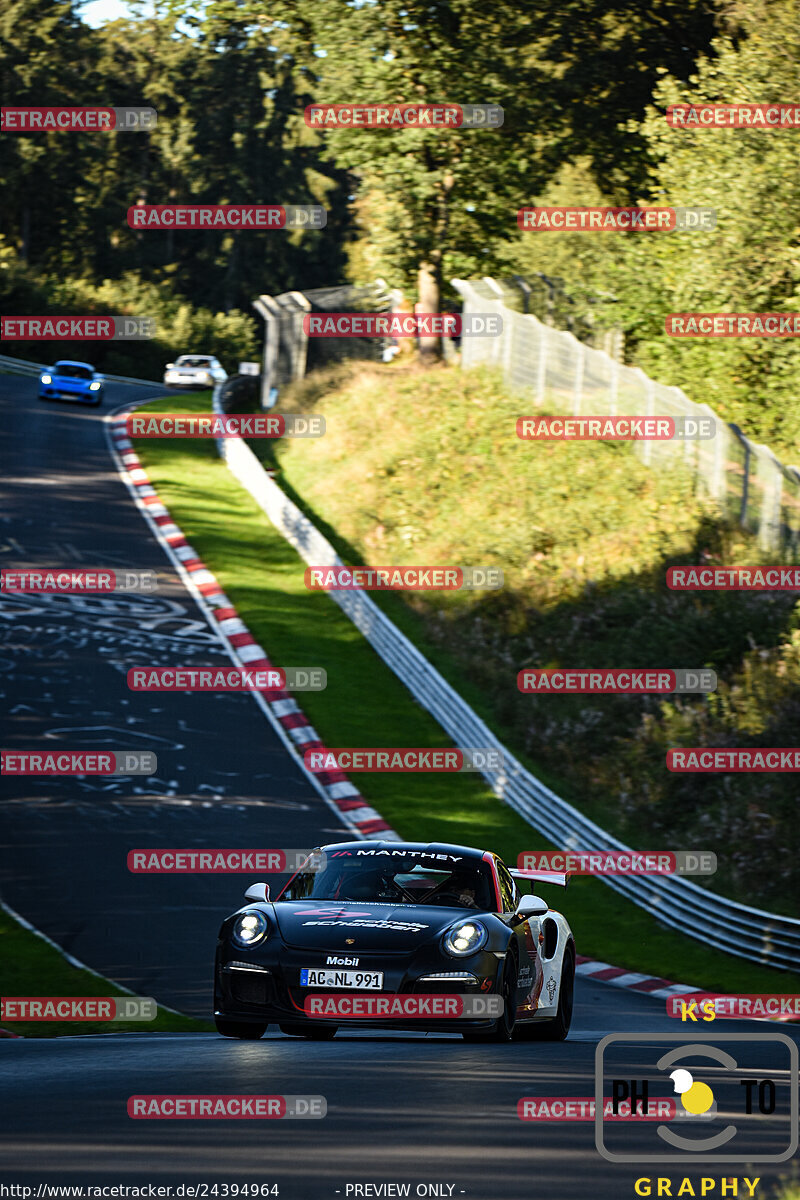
{"x": 366, "y": 980}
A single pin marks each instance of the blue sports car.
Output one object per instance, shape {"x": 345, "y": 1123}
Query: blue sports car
{"x": 69, "y": 380}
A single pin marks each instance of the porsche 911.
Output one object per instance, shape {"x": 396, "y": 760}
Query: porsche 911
{"x": 397, "y": 919}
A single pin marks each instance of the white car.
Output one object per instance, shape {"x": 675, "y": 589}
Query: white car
{"x": 194, "y": 370}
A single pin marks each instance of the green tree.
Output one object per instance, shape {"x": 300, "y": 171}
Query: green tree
{"x": 751, "y": 261}
{"x": 433, "y": 201}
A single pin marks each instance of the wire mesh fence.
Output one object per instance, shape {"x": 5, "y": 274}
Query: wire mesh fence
{"x": 289, "y": 352}
{"x": 559, "y": 373}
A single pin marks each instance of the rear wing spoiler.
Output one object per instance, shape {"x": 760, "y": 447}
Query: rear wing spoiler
{"x": 560, "y": 878}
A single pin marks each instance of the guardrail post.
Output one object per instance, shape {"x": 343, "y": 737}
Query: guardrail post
{"x": 541, "y": 374}
{"x": 649, "y": 411}
{"x": 577, "y": 391}
{"x": 613, "y": 387}
{"x": 745, "y": 475}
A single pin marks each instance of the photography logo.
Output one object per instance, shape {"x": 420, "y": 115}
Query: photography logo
{"x": 737, "y": 1104}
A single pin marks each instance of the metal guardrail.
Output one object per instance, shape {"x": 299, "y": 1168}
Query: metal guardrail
{"x": 20, "y": 366}
{"x": 752, "y": 933}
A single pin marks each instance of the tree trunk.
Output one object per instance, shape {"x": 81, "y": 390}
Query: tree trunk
{"x": 429, "y": 273}
{"x": 430, "y": 346}
{"x": 25, "y": 247}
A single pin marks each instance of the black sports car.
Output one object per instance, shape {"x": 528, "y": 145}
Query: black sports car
{"x": 397, "y": 919}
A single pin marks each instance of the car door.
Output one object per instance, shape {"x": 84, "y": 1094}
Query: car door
{"x": 529, "y": 941}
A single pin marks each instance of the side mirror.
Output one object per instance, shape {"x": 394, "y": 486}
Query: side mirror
{"x": 532, "y": 906}
{"x": 169, "y": 366}
{"x": 257, "y": 891}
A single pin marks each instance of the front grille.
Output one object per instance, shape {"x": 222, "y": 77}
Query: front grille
{"x": 250, "y": 988}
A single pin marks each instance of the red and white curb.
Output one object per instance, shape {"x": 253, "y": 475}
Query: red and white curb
{"x": 650, "y": 985}
{"x": 283, "y": 712}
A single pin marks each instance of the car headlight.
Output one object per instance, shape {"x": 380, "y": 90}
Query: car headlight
{"x": 250, "y": 927}
{"x": 94, "y": 387}
{"x": 47, "y": 379}
{"x": 465, "y": 938}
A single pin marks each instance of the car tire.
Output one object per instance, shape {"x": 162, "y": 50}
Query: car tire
{"x": 240, "y": 1029}
{"x": 505, "y": 1024}
{"x": 557, "y": 1028}
{"x": 314, "y": 1033}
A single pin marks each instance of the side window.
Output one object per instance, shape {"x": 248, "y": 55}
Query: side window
{"x": 508, "y": 891}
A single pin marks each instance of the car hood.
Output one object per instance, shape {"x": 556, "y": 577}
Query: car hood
{"x": 65, "y": 380}
{"x": 326, "y": 925}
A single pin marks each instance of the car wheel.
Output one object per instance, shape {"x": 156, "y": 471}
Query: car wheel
{"x": 314, "y": 1033}
{"x": 240, "y": 1029}
{"x": 557, "y": 1028}
{"x": 504, "y": 1025}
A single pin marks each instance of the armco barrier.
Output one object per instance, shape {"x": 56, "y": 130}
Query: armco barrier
{"x": 677, "y": 902}
{"x": 19, "y": 366}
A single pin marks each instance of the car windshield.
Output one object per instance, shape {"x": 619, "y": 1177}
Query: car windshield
{"x": 71, "y": 371}
{"x": 466, "y": 883}
{"x": 186, "y": 361}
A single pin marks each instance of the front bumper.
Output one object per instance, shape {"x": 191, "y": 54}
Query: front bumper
{"x": 49, "y": 392}
{"x": 266, "y": 990}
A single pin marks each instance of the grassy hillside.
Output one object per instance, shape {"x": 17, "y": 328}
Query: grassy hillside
{"x": 424, "y": 467}
{"x": 365, "y": 704}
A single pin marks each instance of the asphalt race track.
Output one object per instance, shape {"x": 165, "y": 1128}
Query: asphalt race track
{"x": 64, "y": 658}
{"x": 401, "y": 1109}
